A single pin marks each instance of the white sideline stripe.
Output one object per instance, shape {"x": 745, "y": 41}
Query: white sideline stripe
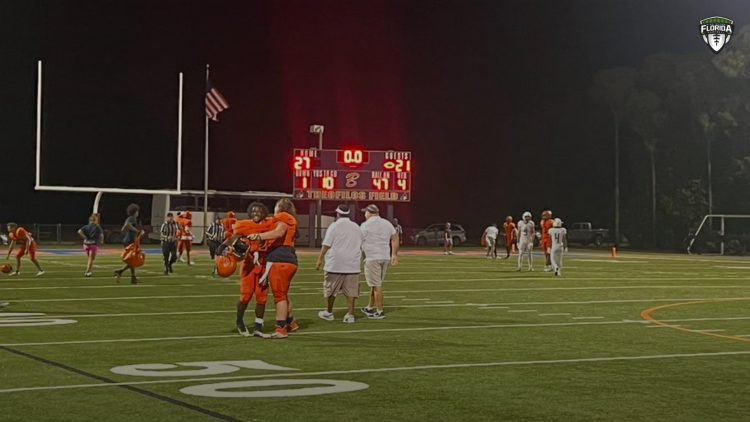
{"x": 375, "y": 330}
{"x": 394, "y": 291}
{"x": 416, "y": 299}
{"x": 555, "y": 314}
{"x": 479, "y": 305}
{"x": 390, "y": 369}
{"x": 439, "y": 301}
{"x": 493, "y": 307}
{"x": 522, "y": 310}
{"x": 589, "y": 317}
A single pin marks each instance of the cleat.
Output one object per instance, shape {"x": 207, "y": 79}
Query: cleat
{"x": 133, "y": 280}
{"x": 243, "y": 330}
{"x": 182, "y": 259}
{"x": 279, "y": 333}
{"x": 4, "y": 304}
{"x": 377, "y": 315}
{"x": 14, "y": 273}
{"x": 118, "y": 274}
{"x": 166, "y": 271}
{"x": 293, "y": 326}
{"x": 40, "y": 273}
{"x": 88, "y": 274}
{"x": 261, "y": 334}
{"x": 328, "y": 316}
{"x": 367, "y": 311}
{"x": 518, "y": 269}
{"x": 348, "y": 319}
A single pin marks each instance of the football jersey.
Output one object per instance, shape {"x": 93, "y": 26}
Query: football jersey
{"x": 546, "y": 226}
{"x": 492, "y": 232}
{"x": 525, "y": 231}
{"x": 558, "y": 235}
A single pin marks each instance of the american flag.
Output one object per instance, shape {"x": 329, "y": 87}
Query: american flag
{"x": 215, "y": 102}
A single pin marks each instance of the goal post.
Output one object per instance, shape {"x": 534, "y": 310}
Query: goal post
{"x": 94, "y": 189}
{"x": 717, "y": 232}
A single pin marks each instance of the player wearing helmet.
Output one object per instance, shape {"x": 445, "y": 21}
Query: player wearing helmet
{"x": 559, "y": 237}
{"x": 526, "y": 234}
{"x": 545, "y": 240}
{"x": 509, "y": 228}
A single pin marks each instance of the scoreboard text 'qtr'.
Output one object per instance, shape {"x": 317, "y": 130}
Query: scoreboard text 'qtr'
{"x": 352, "y": 175}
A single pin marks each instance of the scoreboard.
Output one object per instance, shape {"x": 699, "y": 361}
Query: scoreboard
{"x": 352, "y": 174}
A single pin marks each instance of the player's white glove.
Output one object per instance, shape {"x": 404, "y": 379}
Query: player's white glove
{"x": 538, "y": 235}
{"x": 256, "y": 258}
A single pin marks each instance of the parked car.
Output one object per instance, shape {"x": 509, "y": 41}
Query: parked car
{"x": 584, "y": 234}
{"x": 435, "y": 235}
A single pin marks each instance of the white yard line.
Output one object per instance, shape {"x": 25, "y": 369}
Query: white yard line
{"x": 532, "y": 289}
{"x": 589, "y": 317}
{"x": 426, "y": 305}
{"x": 493, "y": 307}
{"x": 373, "y": 330}
{"x": 389, "y": 369}
{"x": 707, "y": 331}
{"x": 522, "y": 310}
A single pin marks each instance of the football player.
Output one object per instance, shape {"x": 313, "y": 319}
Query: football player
{"x": 526, "y": 234}
{"x": 509, "y": 228}
{"x": 545, "y": 240}
{"x": 490, "y": 236}
{"x": 185, "y": 243}
{"x": 27, "y": 245}
{"x": 559, "y": 237}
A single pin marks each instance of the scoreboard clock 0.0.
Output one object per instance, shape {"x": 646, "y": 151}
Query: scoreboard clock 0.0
{"x": 352, "y": 174}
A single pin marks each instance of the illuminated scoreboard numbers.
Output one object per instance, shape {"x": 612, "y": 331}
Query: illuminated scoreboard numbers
{"x": 352, "y": 174}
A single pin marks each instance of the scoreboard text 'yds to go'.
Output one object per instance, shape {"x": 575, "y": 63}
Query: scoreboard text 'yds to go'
{"x": 352, "y": 175}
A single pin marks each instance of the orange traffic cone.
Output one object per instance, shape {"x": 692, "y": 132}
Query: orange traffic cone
{"x": 614, "y": 251}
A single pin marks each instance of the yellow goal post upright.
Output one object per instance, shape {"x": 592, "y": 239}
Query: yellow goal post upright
{"x": 711, "y": 219}
{"x": 95, "y": 189}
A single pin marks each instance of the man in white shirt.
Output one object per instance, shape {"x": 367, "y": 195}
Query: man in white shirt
{"x": 342, "y": 253}
{"x": 559, "y": 245}
{"x": 490, "y": 238}
{"x": 380, "y": 243}
{"x": 525, "y": 236}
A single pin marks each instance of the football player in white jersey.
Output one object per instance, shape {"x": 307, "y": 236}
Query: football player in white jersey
{"x": 490, "y": 238}
{"x": 559, "y": 245}
{"x": 525, "y": 238}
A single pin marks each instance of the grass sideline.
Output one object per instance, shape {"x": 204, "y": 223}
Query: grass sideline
{"x": 640, "y": 337}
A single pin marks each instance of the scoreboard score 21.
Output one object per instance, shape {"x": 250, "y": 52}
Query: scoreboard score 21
{"x": 352, "y": 175}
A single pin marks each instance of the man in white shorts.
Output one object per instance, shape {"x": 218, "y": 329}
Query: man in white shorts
{"x": 490, "y": 237}
{"x": 380, "y": 243}
{"x": 342, "y": 253}
{"x": 559, "y": 245}
{"x": 525, "y": 237}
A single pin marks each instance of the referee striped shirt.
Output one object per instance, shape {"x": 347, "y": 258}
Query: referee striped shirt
{"x": 215, "y": 231}
{"x": 169, "y": 231}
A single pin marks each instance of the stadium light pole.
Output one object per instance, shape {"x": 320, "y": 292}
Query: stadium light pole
{"x": 318, "y": 130}
{"x": 617, "y": 178}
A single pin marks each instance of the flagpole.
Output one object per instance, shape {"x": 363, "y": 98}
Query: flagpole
{"x": 205, "y": 169}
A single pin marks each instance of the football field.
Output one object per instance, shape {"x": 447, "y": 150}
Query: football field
{"x": 639, "y": 337}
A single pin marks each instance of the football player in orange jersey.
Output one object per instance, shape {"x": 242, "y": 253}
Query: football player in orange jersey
{"x": 546, "y": 240}
{"x": 27, "y": 245}
{"x": 282, "y": 263}
{"x": 509, "y": 229}
{"x": 185, "y": 243}
{"x": 253, "y": 266}
{"x": 228, "y": 223}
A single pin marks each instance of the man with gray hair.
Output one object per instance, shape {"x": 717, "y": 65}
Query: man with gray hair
{"x": 342, "y": 253}
{"x": 380, "y": 244}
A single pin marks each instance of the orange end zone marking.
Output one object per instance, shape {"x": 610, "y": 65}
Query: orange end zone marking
{"x": 646, "y": 315}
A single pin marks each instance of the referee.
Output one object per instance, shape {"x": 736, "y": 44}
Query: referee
{"x": 168, "y": 237}
{"x": 215, "y": 234}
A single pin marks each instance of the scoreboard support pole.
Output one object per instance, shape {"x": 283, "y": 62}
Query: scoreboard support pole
{"x": 389, "y": 212}
{"x": 312, "y": 231}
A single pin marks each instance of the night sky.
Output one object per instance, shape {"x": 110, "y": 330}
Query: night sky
{"x": 491, "y": 96}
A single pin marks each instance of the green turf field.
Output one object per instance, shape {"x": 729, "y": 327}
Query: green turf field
{"x": 640, "y": 337}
